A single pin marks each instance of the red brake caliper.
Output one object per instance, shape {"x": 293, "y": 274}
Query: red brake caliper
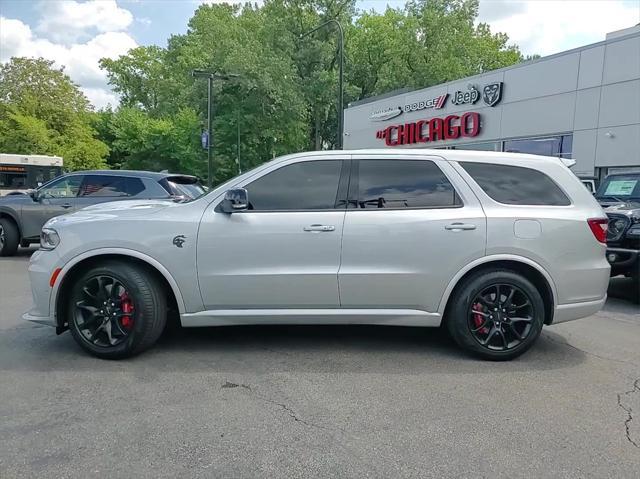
{"x": 478, "y": 319}
{"x": 127, "y": 308}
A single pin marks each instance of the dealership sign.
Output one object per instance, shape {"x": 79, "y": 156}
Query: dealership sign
{"x": 385, "y": 113}
{"x": 434, "y": 129}
{"x": 470, "y": 96}
{"x": 393, "y": 111}
{"x": 436, "y": 103}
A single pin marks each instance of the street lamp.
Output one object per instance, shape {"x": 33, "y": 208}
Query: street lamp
{"x": 340, "y": 132}
{"x": 210, "y": 76}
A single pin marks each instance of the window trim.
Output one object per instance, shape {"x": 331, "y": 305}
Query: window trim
{"x": 488, "y": 196}
{"x": 355, "y": 177}
{"x": 345, "y": 171}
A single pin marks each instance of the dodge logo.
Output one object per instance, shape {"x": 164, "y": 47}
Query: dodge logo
{"x": 492, "y": 93}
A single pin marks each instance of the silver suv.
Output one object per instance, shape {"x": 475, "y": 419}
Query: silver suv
{"x": 492, "y": 246}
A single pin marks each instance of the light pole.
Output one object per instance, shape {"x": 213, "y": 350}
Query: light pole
{"x": 340, "y": 132}
{"x": 210, "y": 76}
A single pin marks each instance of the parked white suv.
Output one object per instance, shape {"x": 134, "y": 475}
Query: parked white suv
{"x": 490, "y": 245}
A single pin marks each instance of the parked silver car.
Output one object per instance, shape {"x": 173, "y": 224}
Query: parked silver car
{"x": 490, "y": 245}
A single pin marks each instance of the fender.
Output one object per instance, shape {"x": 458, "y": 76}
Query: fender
{"x": 53, "y": 298}
{"x": 488, "y": 259}
{"x": 11, "y": 214}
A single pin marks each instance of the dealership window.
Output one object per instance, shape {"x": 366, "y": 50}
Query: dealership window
{"x": 486, "y": 146}
{"x": 403, "y": 184}
{"x": 560, "y": 146}
{"x": 515, "y": 185}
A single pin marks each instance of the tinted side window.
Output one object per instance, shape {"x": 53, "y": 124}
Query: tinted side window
{"x": 100, "y": 186}
{"x": 310, "y": 185}
{"x": 66, "y": 187}
{"x": 514, "y": 185}
{"x": 134, "y": 186}
{"x": 403, "y": 184}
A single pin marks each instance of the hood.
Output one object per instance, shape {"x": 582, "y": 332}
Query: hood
{"x": 113, "y": 210}
{"x": 15, "y": 199}
{"x": 128, "y": 207}
{"x": 621, "y": 208}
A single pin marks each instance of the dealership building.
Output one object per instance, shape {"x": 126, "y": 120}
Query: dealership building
{"x": 582, "y": 104}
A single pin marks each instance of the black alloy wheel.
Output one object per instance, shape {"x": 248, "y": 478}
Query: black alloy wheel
{"x": 116, "y": 309}
{"x": 500, "y": 317}
{"x": 105, "y": 315}
{"x": 496, "y": 314}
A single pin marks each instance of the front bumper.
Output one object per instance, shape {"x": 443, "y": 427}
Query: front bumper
{"x": 623, "y": 260}
{"x": 41, "y": 266}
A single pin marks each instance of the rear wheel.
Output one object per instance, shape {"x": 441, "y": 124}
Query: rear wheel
{"x": 496, "y": 314}
{"x": 116, "y": 310}
{"x": 9, "y": 237}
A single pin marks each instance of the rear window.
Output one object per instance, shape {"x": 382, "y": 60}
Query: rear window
{"x": 404, "y": 184}
{"x": 515, "y": 185}
{"x": 111, "y": 186}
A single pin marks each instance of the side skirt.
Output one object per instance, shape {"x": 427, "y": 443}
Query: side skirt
{"x": 389, "y": 317}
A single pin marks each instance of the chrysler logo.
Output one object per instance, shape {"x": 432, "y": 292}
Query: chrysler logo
{"x": 385, "y": 113}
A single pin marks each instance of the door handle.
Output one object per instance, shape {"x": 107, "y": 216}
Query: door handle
{"x": 319, "y": 228}
{"x": 460, "y": 227}
{"x": 66, "y": 205}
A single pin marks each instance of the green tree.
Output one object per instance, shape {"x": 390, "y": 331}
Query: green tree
{"x": 285, "y": 98}
{"x": 43, "y": 112}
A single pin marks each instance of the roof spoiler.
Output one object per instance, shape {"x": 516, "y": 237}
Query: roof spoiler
{"x": 568, "y": 162}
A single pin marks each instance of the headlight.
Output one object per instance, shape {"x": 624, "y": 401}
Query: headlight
{"x": 49, "y": 239}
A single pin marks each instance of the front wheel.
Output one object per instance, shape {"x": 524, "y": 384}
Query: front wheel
{"x": 116, "y": 310}
{"x": 9, "y": 237}
{"x": 496, "y": 314}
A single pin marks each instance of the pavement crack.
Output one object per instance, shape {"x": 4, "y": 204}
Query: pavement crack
{"x": 629, "y": 411}
{"x": 287, "y": 409}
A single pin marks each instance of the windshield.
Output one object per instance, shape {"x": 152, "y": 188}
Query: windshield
{"x": 620, "y": 188}
{"x": 191, "y": 190}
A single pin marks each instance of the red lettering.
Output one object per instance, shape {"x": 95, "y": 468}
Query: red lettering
{"x": 451, "y": 130}
{"x": 420, "y": 138}
{"x": 406, "y": 133}
{"x": 435, "y": 129}
{"x": 388, "y": 136}
{"x": 436, "y": 126}
{"x": 470, "y": 124}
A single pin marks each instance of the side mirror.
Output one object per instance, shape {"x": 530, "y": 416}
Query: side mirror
{"x": 235, "y": 200}
{"x": 34, "y": 194}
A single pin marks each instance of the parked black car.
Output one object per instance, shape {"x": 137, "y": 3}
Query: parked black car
{"x": 22, "y": 216}
{"x": 619, "y": 195}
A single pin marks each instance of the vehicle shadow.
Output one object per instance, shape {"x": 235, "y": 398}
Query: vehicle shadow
{"x": 624, "y": 288}
{"x": 274, "y": 349}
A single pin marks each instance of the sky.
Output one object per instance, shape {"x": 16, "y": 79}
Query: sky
{"x": 77, "y": 33}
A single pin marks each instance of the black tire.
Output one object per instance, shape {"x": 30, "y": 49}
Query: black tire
{"x": 144, "y": 292}
{"x": 9, "y": 237}
{"x": 462, "y": 312}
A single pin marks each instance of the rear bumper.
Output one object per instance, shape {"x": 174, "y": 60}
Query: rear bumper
{"x": 569, "y": 312}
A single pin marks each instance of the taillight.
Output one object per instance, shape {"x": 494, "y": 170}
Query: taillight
{"x": 599, "y": 228}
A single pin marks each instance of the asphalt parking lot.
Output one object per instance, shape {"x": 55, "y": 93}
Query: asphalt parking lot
{"x": 319, "y": 401}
